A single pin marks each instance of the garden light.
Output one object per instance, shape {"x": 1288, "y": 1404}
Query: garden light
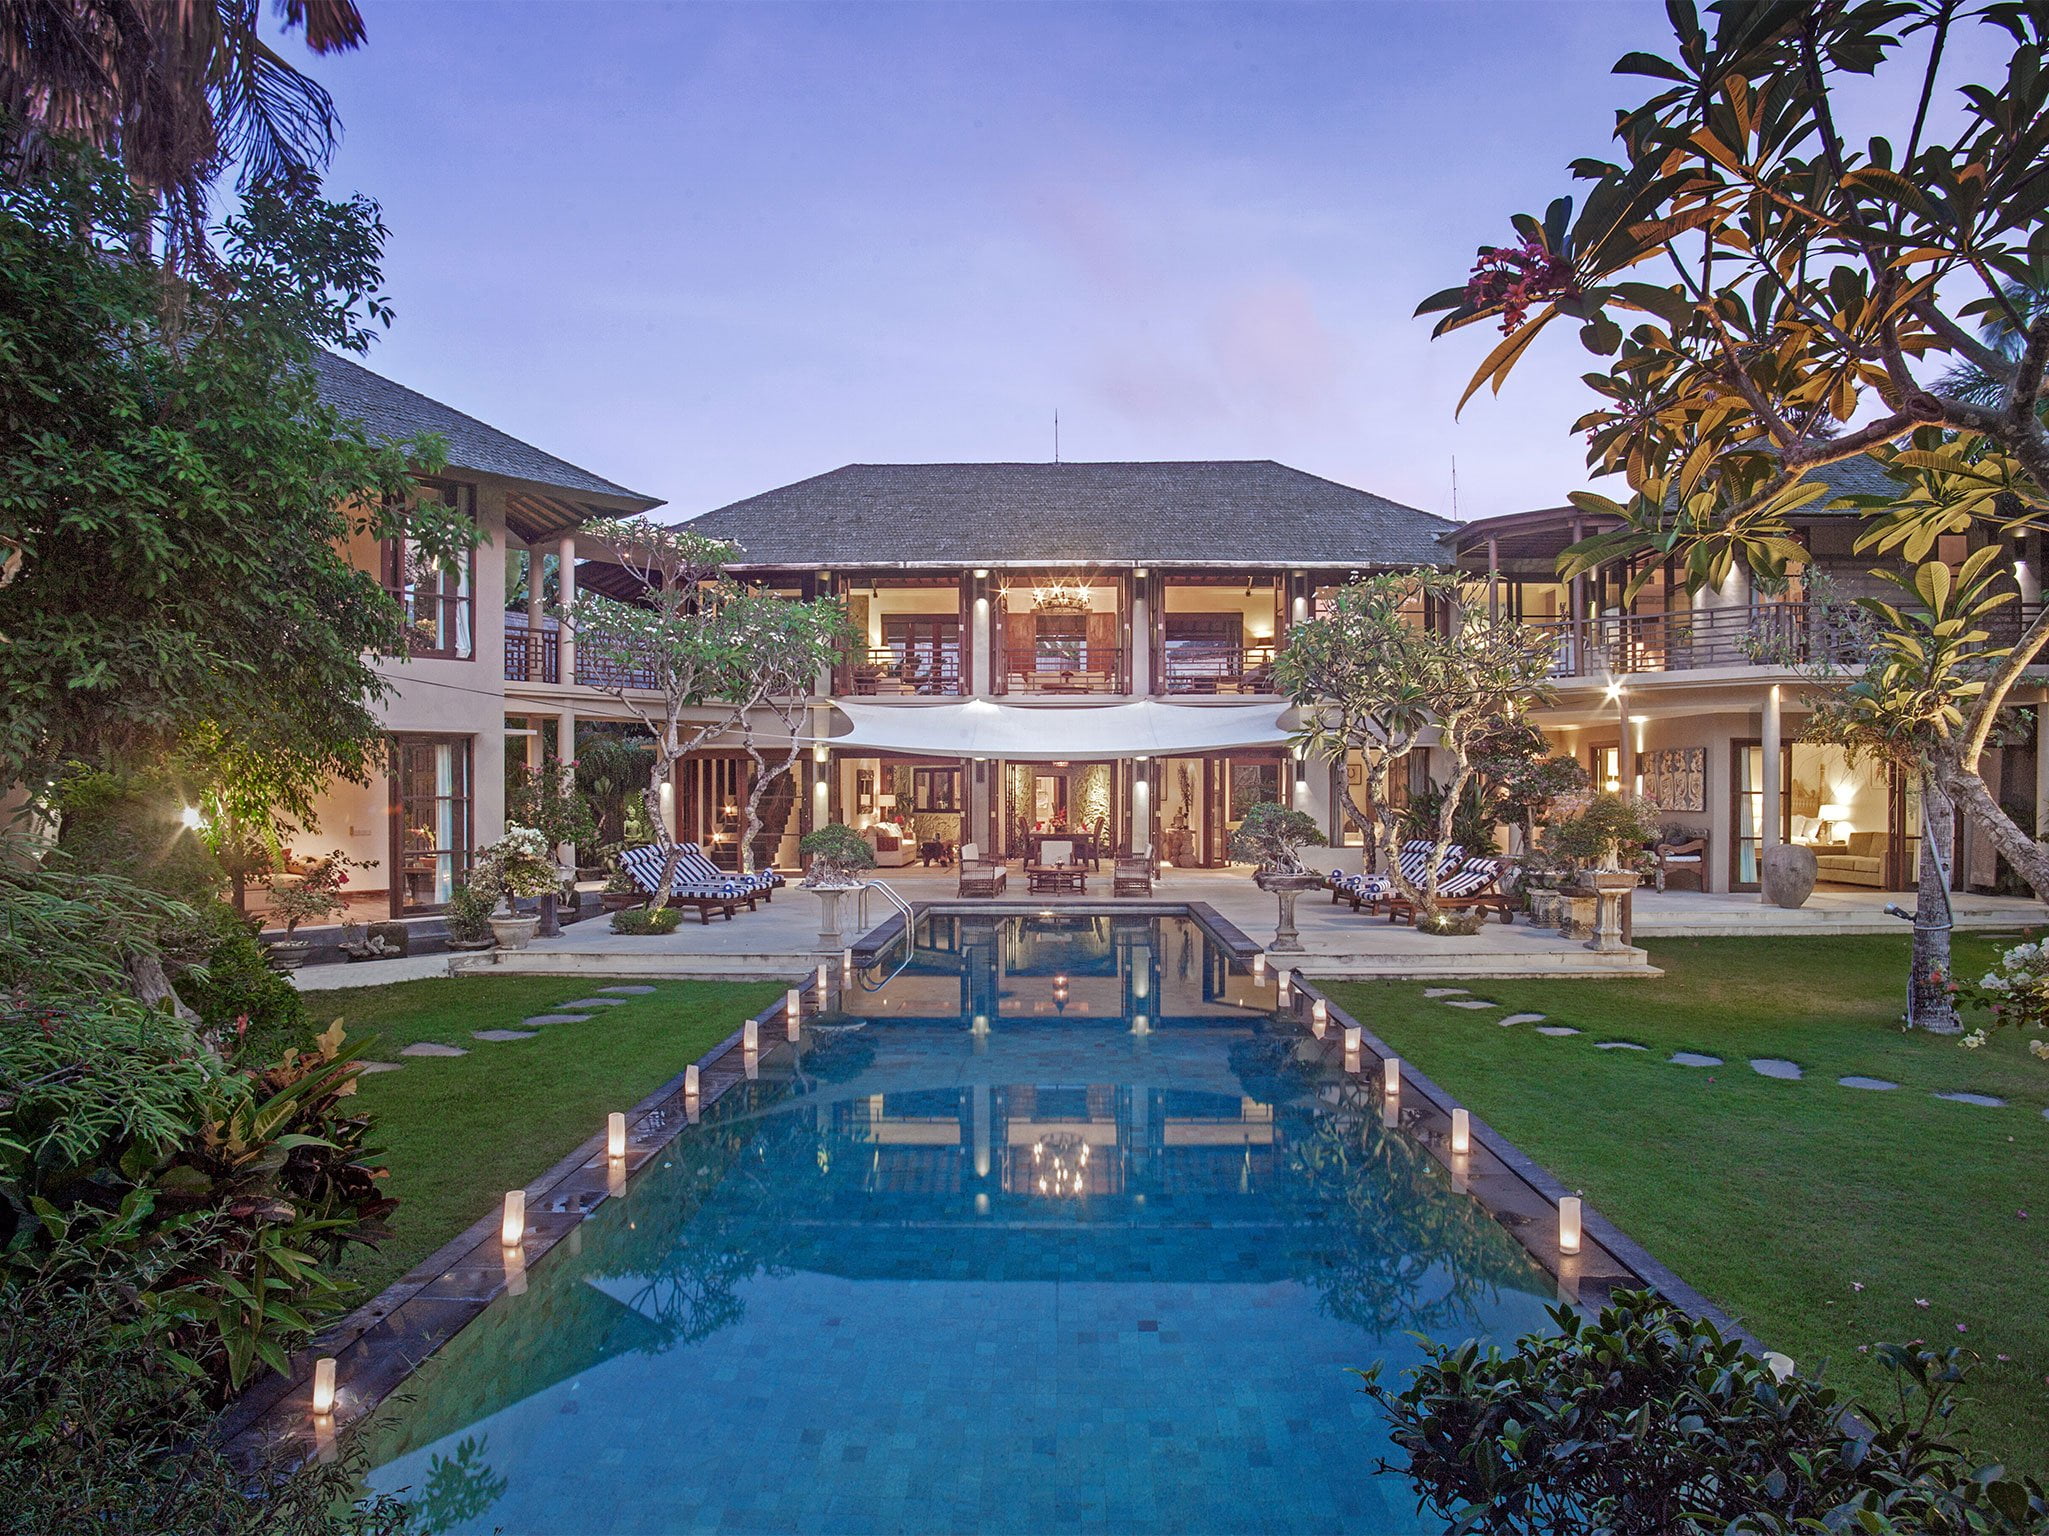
{"x": 1568, "y": 1224}
{"x": 1355, "y": 1037}
{"x": 1259, "y": 967}
{"x": 615, "y": 1134}
{"x": 323, "y": 1387}
{"x": 824, "y": 980}
{"x": 513, "y": 1227}
{"x": 750, "y": 1036}
{"x": 1319, "y": 1011}
{"x": 1282, "y": 983}
{"x": 690, "y": 1081}
{"x": 793, "y": 1003}
{"x": 1391, "y": 1075}
{"x": 1461, "y": 1133}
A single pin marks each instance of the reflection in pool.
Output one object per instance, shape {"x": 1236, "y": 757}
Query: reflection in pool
{"x": 1055, "y": 1229}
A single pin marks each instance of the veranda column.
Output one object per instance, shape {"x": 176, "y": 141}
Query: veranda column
{"x": 1768, "y": 829}
{"x": 981, "y": 641}
{"x": 1625, "y": 751}
{"x": 1139, "y": 824}
{"x": 565, "y": 754}
{"x": 536, "y": 573}
{"x": 1141, "y": 635}
{"x": 565, "y": 638}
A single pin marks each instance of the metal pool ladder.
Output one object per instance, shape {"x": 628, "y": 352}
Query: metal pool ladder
{"x": 910, "y": 939}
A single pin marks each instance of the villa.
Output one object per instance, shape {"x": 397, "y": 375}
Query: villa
{"x": 1089, "y": 647}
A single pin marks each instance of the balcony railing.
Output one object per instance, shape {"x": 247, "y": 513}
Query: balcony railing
{"x": 1061, "y": 667}
{"x": 532, "y": 656}
{"x": 1768, "y": 635}
{"x": 927, "y": 671}
{"x": 1220, "y": 668}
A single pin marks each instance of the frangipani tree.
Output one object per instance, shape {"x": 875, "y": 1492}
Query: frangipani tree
{"x": 787, "y": 644}
{"x": 1372, "y": 675}
{"x": 1793, "y": 299}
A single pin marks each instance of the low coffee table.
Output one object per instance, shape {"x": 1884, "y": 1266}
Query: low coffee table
{"x": 1057, "y": 877}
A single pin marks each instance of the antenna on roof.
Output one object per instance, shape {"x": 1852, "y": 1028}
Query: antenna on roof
{"x": 1056, "y": 434}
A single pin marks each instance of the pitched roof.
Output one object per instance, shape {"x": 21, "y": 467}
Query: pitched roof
{"x": 392, "y": 411}
{"x": 1250, "y": 512}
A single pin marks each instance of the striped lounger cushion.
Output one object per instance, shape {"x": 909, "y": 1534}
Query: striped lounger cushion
{"x": 760, "y": 883}
{"x": 645, "y": 865}
{"x": 1474, "y": 876}
{"x": 1414, "y": 859}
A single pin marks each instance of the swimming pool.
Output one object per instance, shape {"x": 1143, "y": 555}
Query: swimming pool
{"x": 1057, "y": 1228}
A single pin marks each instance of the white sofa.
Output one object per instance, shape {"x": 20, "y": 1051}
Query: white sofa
{"x": 894, "y": 847}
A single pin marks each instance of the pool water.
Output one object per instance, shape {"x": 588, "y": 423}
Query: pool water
{"x": 1058, "y": 1228}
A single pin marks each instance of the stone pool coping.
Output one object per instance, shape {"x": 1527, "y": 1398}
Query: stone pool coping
{"x": 380, "y": 1344}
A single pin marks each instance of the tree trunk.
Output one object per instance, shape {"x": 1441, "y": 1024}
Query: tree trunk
{"x": 146, "y": 977}
{"x": 651, "y": 803}
{"x": 1929, "y": 1005}
{"x": 2029, "y": 858}
{"x": 764, "y": 776}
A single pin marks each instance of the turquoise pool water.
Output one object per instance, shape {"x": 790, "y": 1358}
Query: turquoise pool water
{"x": 1057, "y": 1229}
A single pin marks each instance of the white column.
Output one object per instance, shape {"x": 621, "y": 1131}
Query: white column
{"x": 565, "y": 753}
{"x": 981, "y": 641}
{"x": 1141, "y": 670}
{"x": 1625, "y": 750}
{"x": 566, "y": 639}
{"x": 1140, "y": 810}
{"x": 536, "y": 558}
{"x": 1769, "y": 740}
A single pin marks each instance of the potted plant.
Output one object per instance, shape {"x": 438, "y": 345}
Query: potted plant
{"x": 548, "y": 802}
{"x": 1269, "y": 838}
{"x": 468, "y": 917}
{"x": 838, "y": 854}
{"x": 1604, "y": 845}
{"x": 519, "y": 864}
{"x": 310, "y": 896}
{"x": 620, "y": 892}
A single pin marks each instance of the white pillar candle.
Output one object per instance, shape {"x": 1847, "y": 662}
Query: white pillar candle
{"x": 793, "y": 1003}
{"x": 1355, "y": 1039}
{"x": 690, "y": 1081}
{"x": 1319, "y": 1011}
{"x": 513, "y": 1226}
{"x": 824, "y": 980}
{"x": 1391, "y": 1074}
{"x": 323, "y": 1386}
{"x": 1461, "y": 1133}
{"x": 1281, "y": 982}
{"x": 750, "y": 1036}
{"x": 1568, "y": 1224}
{"x": 615, "y": 1134}
{"x": 1259, "y": 967}
{"x": 847, "y": 960}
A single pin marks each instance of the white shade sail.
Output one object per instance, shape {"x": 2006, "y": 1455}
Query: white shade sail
{"x": 1047, "y": 733}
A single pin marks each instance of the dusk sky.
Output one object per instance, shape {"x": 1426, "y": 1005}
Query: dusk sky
{"x": 706, "y": 250}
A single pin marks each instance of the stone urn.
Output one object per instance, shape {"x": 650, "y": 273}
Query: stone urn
{"x": 1787, "y": 873}
{"x": 513, "y": 931}
{"x": 829, "y": 940}
{"x": 1286, "y": 885}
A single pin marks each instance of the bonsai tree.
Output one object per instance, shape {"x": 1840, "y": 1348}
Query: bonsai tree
{"x": 837, "y": 853}
{"x": 314, "y": 895}
{"x": 1593, "y": 838}
{"x": 1269, "y": 836}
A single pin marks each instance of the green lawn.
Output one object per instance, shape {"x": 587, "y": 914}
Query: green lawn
{"x": 458, "y": 1131}
{"x": 1779, "y": 1199}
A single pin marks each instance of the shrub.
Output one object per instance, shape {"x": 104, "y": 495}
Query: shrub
{"x": 647, "y": 920}
{"x": 255, "y": 1013}
{"x": 837, "y": 853}
{"x": 1609, "y": 821}
{"x": 468, "y": 914}
{"x": 1647, "y": 1422}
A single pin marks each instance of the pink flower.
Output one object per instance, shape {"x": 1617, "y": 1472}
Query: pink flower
{"x": 1856, "y": 1285}
{"x": 1921, "y": 1301}
{"x": 1963, "y": 1328}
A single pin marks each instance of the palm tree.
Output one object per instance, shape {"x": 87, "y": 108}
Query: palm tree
{"x": 175, "y": 90}
{"x": 1968, "y": 381}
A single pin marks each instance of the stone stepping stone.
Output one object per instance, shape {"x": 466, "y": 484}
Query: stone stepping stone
{"x": 1982, "y": 1100}
{"x": 557, "y": 1018}
{"x": 378, "y": 1066}
{"x": 432, "y": 1048}
{"x": 1694, "y": 1059}
{"x": 1869, "y": 1084}
{"x": 1617, "y": 1045}
{"x": 1556, "y": 1030}
{"x": 1435, "y": 992}
{"x": 1776, "y": 1066}
{"x": 1469, "y": 1002}
{"x": 627, "y": 991}
{"x": 497, "y": 1035}
{"x": 1521, "y": 1018}
{"x": 595, "y": 1002}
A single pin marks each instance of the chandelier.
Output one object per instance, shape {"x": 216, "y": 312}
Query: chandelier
{"x": 1059, "y": 1164}
{"x": 1061, "y": 595}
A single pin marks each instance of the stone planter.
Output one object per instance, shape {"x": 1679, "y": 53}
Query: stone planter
{"x": 1611, "y": 888}
{"x": 830, "y": 941}
{"x": 472, "y": 944}
{"x": 1787, "y": 873}
{"x": 514, "y": 932}
{"x": 1286, "y": 888}
{"x": 1577, "y": 914}
{"x": 618, "y": 901}
{"x": 287, "y": 954}
{"x": 1544, "y": 908}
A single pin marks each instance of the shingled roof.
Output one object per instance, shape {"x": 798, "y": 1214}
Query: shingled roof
{"x": 392, "y": 411}
{"x": 1250, "y": 512}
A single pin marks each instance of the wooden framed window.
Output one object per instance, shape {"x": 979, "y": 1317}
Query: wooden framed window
{"x": 433, "y": 820}
{"x": 436, "y": 595}
{"x": 935, "y": 789}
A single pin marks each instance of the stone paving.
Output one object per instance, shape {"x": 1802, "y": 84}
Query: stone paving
{"x": 1765, "y": 1066}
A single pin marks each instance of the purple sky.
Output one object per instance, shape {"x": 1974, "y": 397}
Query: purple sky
{"x": 706, "y": 250}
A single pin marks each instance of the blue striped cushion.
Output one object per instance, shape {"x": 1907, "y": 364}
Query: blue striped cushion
{"x": 1475, "y": 876}
{"x": 702, "y": 868}
{"x": 644, "y": 864}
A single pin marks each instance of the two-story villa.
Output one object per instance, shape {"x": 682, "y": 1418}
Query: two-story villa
{"x": 1088, "y": 647}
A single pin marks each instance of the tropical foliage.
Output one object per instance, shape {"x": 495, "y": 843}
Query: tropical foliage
{"x": 1768, "y": 297}
{"x": 1395, "y": 656}
{"x": 1646, "y": 1421}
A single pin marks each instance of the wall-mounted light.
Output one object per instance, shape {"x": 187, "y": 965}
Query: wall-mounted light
{"x": 981, "y": 574}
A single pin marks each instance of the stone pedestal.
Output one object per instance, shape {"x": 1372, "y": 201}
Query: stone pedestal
{"x": 1787, "y": 873}
{"x": 1610, "y": 887}
{"x": 1286, "y": 888}
{"x": 829, "y": 940}
{"x": 551, "y": 917}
